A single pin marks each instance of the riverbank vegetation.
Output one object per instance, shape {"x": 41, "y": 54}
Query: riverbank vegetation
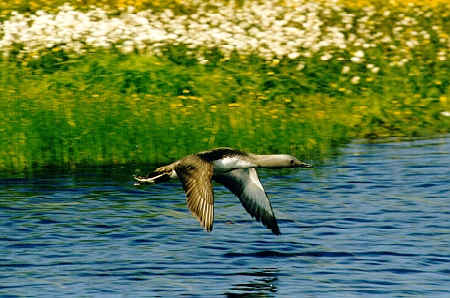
{"x": 83, "y": 87}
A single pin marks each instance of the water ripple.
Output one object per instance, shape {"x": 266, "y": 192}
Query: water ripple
{"x": 372, "y": 222}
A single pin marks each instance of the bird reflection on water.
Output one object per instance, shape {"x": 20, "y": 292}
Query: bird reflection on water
{"x": 257, "y": 283}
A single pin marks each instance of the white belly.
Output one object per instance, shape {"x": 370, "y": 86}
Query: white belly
{"x": 229, "y": 163}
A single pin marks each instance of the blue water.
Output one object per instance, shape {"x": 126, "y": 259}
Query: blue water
{"x": 374, "y": 221}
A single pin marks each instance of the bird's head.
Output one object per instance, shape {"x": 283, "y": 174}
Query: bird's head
{"x": 295, "y": 163}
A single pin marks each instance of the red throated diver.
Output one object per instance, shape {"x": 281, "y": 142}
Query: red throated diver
{"x": 236, "y": 170}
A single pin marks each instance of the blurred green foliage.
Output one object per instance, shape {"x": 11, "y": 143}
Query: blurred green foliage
{"x": 106, "y": 108}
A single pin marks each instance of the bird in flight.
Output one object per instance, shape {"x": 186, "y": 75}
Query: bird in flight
{"x": 236, "y": 170}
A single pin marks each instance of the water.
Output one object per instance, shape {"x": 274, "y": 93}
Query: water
{"x": 375, "y": 221}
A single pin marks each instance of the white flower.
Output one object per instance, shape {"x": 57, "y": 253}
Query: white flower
{"x": 442, "y": 55}
{"x": 326, "y": 57}
{"x": 359, "y": 54}
{"x": 300, "y": 66}
{"x": 293, "y": 55}
{"x": 412, "y": 43}
{"x": 355, "y": 80}
{"x": 346, "y": 69}
{"x": 356, "y": 59}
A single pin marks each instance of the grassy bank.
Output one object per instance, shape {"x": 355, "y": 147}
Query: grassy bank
{"x": 82, "y": 87}
{"x": 108, "y": 108}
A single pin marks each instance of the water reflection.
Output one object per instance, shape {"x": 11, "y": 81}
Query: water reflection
{"x": 255, "y": 283}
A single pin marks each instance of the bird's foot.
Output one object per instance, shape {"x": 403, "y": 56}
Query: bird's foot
{"x": 142, "y": 180}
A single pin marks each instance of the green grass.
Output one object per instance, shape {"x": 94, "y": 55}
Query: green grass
{"x": 106, "y": 108}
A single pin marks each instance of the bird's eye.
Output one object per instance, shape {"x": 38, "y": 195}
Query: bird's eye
{"x": 292, "y": 161}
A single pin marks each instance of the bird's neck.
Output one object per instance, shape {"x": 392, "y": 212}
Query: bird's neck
{"x": 269, "y": 160}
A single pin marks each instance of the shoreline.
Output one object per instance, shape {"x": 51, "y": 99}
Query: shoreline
{"x": 110, "y": 106}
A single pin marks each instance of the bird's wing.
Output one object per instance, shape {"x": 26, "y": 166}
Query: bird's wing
{"x": 195, "y": 175}
{"x": 245, "y": 184}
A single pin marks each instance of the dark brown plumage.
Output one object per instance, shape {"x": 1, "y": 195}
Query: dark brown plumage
{"x": 195, "y": 175}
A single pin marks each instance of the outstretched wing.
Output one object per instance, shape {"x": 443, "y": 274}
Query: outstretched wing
{"x": 245, "y": 184}
{"x": 195, "y": 175}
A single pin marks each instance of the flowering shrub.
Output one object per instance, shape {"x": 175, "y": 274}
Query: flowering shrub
{"x": 297, "y": 30}
{"x": 354, "y": 46}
